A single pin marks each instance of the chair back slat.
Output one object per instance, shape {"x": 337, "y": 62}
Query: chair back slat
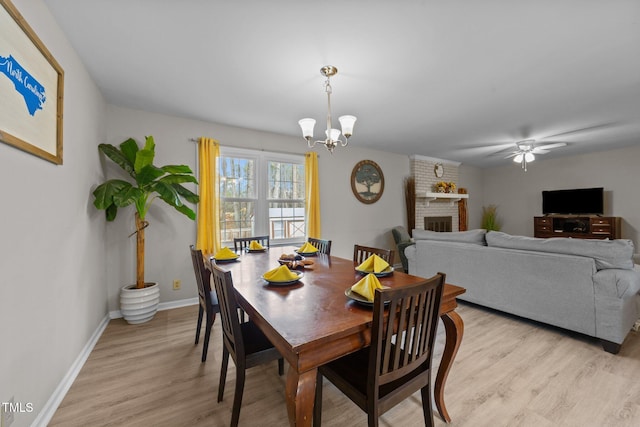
{"x": 242, "y": 243}
{"x": 417, "y": 341}
{"x": 323, "y": 246}
{"x": 203, "y": 276}
{"x": 361, "y": 253}
{"x": 404, "y": 342}
{"x": 411, "y": 346}
{"x": 231, "y": 331}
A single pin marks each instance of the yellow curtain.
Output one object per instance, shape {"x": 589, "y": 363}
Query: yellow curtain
{"x": 208, "y": 238}
{"x": 312, "y": 194}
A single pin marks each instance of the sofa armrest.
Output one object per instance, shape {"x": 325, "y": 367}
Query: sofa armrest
{"x": 616, "y": 282}
{"x": 403, "y": 258}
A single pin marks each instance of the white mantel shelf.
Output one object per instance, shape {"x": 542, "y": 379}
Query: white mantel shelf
{"x": 452, "y": 198}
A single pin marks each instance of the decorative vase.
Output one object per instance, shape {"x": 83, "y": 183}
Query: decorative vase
{"x": 139, "y": 305}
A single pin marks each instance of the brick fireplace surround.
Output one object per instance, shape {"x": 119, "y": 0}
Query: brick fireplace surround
{"x": 422, "y": 169}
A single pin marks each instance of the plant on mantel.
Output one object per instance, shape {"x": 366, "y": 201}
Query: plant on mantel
{"x": 147, "y": 183}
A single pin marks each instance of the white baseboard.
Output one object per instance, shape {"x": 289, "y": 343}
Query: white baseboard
{"x": 54, "y": 401}
{"x": 116, "y": 314}
{"x": 49, "y": 409}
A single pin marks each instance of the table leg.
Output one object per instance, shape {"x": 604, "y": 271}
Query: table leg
{"x": 454, "y": 328}
{"x": 300, "y": 392}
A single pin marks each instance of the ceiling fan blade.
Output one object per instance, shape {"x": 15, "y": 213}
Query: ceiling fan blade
{"x": 539, "y": 151}
{"x": 489, "y": 149}
{"x": 551, "y": 145}
{"x": 585, "y": 129}
{"x": 515, "y": 153}
{"x": 510, "y": 149}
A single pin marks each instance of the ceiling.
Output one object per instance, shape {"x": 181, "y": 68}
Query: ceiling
{"x": 454, "y": 80}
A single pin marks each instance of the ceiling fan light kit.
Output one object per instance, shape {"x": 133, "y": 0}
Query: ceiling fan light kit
{"x": 525, "y": 153}
{"x": 332, "y": 135}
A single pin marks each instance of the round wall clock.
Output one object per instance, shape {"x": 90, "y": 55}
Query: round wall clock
{"x": 367, "y": 181}
{"x": 438, "y": 169}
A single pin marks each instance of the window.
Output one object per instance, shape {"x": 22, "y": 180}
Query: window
{"x": 261, "y": 194}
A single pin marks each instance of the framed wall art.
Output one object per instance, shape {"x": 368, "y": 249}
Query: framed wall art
{"x": 367, "y": 181}
{"x": 31, "y": 89}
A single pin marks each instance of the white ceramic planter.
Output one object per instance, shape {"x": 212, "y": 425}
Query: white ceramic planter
{"x": 139, "y": 305}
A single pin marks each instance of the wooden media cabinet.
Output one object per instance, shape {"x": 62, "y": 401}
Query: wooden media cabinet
{"x": 581, "y": 227}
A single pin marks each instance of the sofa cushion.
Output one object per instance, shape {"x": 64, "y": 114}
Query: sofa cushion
{"x": 606, "y": 253}
{"x": 471, "y": 236}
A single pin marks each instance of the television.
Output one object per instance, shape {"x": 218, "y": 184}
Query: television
{"x": 578, "y": 201}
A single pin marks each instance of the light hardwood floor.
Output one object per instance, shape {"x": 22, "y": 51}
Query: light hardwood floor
{"x": 508, "y": 372}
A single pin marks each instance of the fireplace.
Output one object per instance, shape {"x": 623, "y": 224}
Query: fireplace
{"x": 437, "y": 223}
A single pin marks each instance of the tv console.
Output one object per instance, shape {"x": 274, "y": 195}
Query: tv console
{"x": 577, "y": 226}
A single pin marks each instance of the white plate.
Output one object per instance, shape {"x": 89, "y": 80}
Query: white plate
{"x": 386, "y": 272}
{"x": 300, "y": 275}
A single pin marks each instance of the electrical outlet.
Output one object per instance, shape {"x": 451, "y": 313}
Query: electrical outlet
{"x": 177, "y": 284}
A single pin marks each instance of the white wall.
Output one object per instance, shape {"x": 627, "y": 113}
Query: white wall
{"x": 345, "y": 220}
{"x": 52, "y": 281}
{"x": 518, "y": 194}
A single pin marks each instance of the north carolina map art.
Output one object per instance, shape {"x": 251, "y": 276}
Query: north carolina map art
{"x": 24, "y": 83}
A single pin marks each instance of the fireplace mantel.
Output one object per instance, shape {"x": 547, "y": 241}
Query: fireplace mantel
{"x": 451, "y": 198}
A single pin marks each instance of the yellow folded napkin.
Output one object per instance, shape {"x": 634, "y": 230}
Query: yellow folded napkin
{"x": 307, "y": 248}
{"x": 374, "y": 264}
{"x": 255, "y": 246}
{"x": 225, "y": 253}
{"x": 367, "y": 286}
{"x": 280, "y": 274}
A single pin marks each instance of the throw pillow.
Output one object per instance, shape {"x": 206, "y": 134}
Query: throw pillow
{"x": 476, "y": 236}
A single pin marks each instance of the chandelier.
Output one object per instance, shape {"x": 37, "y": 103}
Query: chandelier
{"x": 332, "y": 135}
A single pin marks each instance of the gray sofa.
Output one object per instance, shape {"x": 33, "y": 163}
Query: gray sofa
{"x": 587, "y": 286}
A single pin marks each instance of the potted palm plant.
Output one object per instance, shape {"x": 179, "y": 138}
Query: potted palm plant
{"x": 139, "y": 302}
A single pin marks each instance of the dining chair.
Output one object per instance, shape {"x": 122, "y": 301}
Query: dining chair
{"x": 398, "y": 362}
{"x": 207, "y": 298}
{"x": 361, "y": 253}
{"x": 244, "y": 341}
{"x": 242, "y": 243}
{"x": 323, "y": 246}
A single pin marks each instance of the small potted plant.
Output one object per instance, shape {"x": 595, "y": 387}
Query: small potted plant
{"x": 146, "y": 183}
{"x": 490, "y": 219}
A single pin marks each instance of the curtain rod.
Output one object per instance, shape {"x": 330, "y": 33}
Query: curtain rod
{"x": 255, "y": 149}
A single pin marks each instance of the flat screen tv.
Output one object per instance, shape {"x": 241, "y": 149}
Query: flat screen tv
{"x": 578, "y": 201}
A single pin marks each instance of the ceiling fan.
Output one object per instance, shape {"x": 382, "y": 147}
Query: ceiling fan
{"x": 527, "y": 149}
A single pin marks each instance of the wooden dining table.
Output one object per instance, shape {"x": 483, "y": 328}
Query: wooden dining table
{"x": 313, "y": 321}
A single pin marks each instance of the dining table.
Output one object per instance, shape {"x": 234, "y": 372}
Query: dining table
{"x": 316, "y": 319}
